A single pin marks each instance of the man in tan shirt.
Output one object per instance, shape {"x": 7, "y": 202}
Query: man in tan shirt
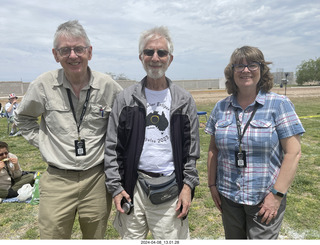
{"x": 74, "y": 105}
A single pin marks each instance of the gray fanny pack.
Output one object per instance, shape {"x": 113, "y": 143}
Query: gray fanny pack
{"x": 160, "y": 189}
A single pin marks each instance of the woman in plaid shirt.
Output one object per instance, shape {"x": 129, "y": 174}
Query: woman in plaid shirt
{"x": 254, "y": 149}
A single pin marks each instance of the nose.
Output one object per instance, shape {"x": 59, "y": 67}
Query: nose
{"x": 155, "y": 57}
{"x": 73, "y": 54}
{"x": 246, "y": 69}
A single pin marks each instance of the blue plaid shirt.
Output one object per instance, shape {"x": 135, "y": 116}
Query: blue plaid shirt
{"x": 275, "y": 119}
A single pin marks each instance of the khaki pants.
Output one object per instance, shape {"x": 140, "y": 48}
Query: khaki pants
{"x": 64, "y": 193}
{"x": 161, "y": 220}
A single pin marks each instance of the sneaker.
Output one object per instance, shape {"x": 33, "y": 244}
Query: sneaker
{"x": 17, "y": 134}
{"x": 11, "y": 134}
{"x": 0, "y": 200}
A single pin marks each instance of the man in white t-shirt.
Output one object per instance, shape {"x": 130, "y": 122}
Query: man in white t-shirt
{"x": 10, "y": 107}
{"x": 153, "y": 132}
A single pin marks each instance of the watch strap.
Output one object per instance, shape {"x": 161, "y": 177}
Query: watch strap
{"x": 277, "y": 193}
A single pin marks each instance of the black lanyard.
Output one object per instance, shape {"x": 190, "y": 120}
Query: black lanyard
{"x": 85, "y": 105}
{"x": 240, "y": 136}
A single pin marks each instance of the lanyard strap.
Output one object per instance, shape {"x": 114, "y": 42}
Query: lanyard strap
{"x": 240, "y": 136}
{"x": 85, "y": 105}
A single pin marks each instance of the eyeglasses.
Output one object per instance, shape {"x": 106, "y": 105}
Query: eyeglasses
{"x": 252, "y": 66}
{"x": 4, "y": 153}
{"x": 66, "y": 51}
{"x": 161, "y": 52}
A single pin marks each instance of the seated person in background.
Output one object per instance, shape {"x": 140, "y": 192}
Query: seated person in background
{"x": 11, "y": 178}
{"x": 10, "y": 107}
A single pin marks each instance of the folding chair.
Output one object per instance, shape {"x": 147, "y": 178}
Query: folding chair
{"x": 202, "y": 114}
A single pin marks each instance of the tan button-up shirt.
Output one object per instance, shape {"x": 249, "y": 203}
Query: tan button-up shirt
{"x": 56, "y": 133}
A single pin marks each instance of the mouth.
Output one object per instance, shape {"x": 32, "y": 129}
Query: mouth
{"x": 74, "y": 63}
{"x": 155, "y": 66}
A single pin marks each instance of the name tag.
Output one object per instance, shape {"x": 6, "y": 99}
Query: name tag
{"x": 240, "y": 159}
{"x": 80, "y": 147}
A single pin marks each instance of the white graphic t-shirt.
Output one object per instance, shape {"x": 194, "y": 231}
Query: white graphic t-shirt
{"x": 157, "y": 155}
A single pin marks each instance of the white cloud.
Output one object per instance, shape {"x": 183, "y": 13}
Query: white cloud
{"x": 204, "y": 32}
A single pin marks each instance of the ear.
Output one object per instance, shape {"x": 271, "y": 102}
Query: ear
{"x": 90, "y": 53}
{"x": 140, "y": 57}
{"x": 55, "y": 55}
{"x": 171, "y": 59}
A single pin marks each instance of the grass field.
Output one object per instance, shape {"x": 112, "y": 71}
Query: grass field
{"x": 19, "y": 221}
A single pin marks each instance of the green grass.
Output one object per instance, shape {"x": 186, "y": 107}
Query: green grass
{"x": 301, "y": 221}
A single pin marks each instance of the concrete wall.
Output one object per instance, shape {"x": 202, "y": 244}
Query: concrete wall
{"x": 187, "y": 84}
{"x": 16, "y": 87}
{"x": 20, "y": 88}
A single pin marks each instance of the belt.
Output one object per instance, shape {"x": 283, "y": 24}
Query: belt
{"x": 74, "y": 170}
{"x": 154, "y": 175}
{"x": 71, "y": 170}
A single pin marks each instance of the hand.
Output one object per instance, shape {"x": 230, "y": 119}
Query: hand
{"x": 13, "y": 160}
{"x": 216, "y": 197}
{"x": 184, "y": 201}
{"x": 269, "y": 208}
{"x": 117, "y": 200}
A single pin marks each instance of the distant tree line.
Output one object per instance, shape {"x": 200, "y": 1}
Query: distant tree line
{"x": 120, "y": 76}
{"x": 308, "y": 71}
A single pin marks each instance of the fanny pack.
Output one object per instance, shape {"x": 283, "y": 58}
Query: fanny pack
{"x": 160, "y": 189}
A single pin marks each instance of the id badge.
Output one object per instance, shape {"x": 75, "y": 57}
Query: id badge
{"x": 240, "y": 159}
{"x": 80, "y": 147}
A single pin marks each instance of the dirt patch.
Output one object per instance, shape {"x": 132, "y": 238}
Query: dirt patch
{"x": 213, "y": 96}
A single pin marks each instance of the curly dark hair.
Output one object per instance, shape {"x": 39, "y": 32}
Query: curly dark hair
{"x": 250, "y": 54}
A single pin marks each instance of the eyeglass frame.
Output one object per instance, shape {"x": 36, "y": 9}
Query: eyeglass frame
{"x": 4, "y": 153}
{"x": 165, "y": 52}
{"x": 84, "y": 48}
{"x": 234, "y": 66}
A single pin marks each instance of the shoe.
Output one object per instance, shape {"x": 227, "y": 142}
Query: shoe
{"x": 11, "y": 134}
{"x": 0, "y": 200}
{"x": 17, "y": 134}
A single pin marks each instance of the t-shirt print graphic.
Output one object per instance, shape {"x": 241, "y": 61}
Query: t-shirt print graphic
{"x": 160, "y": 121}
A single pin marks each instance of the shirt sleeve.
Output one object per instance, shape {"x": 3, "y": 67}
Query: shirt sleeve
{"x": 287, "y": 121}
{"x": 26, "y": 116}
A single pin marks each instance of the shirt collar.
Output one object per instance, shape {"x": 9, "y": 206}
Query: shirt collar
{"x": 62, "y": 80}
{"x": 260, "y": 99}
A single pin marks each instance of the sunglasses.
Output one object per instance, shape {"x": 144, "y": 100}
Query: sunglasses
{"x": 4, "y": 153}
{"x": 161, "y": 52}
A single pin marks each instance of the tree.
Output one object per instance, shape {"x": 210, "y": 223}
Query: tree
{"x": 308, "y": 71}
{"x": 120, "y": 76}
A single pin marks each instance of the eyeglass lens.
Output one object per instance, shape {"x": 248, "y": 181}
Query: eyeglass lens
{"x": 251, "y": 67}
{"x": 150, "y": 52}
{"x": 66, "y": 51}
{"x": 4, "y": 153}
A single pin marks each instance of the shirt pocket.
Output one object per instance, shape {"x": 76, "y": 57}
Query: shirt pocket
{"x": 225, "y": 133}
{"x": 261, "y": 133}
{"x": 97, "y": 119}
{"x": 58, "y": 118}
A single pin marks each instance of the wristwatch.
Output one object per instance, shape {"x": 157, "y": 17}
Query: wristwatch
{"x": 277, "y": 193}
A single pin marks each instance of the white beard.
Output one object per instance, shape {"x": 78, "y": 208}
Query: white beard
{"x": 156, "y": 73}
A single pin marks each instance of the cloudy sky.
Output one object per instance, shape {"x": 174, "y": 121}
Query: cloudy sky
{"x": 204, "y": 32}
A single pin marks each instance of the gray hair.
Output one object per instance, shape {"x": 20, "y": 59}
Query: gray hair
{"x": 70, "y": 28}
{"x": 154, "y": 33}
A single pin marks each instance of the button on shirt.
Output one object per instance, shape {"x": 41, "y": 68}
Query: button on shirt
{"x": 275, "y": 119}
